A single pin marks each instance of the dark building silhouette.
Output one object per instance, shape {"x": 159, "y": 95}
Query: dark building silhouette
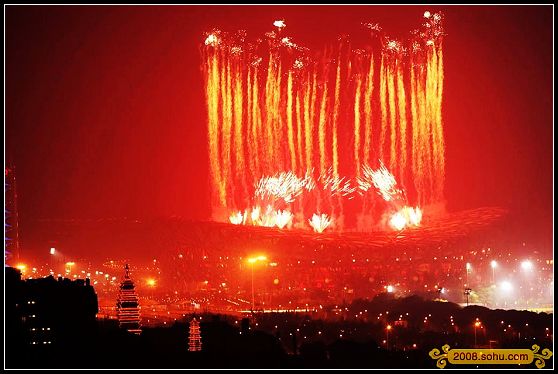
{"x": 46, "y": 314}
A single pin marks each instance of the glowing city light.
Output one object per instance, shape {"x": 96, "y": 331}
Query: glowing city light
{"x": 253, "y": 260}
{"x": 390, "y": 288}
{"x": 427, "y": 14}
{"x": 52, "y": 251}
{"x": 506, "y": 286}
{"x": 468, "y": 266}
{"x": 151, "y": 282}
{"x": 493, "y": 264}
{"x": 21, "y": 267}
{"x": 527, "y": 265}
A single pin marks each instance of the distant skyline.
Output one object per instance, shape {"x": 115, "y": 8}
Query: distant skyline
{"x": 105, "y": 109}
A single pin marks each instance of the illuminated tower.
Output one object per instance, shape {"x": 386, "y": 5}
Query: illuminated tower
{"x": 194, "y": 341}
{"x": 127, "y": 306}
{"x": 11, "y": 244}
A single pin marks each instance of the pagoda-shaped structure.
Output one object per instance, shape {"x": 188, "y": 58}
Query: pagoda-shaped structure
{"x": 127, "y": 305}
{"x": 194, "y": 340}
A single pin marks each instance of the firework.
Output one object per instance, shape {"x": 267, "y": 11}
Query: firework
{"x": 320, "y": 222}
{"x": 236, "y": 218}
{"x": 255, "y": 214}
{"x": 268, "y": 218}
{"x": 286, "y": 186}
{"x": 276, "y": 115}
{"x": 211, "y": 40}
{"x": 283, "y": 218}
{"x": 382, "y": 180}
{"x": 279, "y": 24}
{"x": 406, "y": 217}
{"x": 414, "y": 215}
{"x": 335, "y": 184}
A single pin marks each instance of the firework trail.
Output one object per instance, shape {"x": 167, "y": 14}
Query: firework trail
{"x": 299, "y": 125}
{"x": 238, "y": 122}
{"x": 212, "y": 98}
{"x": 357, "y": 125}
{"x": 336, "y": 116}
{"x": 226, "y": 126}
{"x": 383, "y": 106}
{"x": 290, "y": 131}
{"x": 402, "y": 104}
{"x": 439, "y": 138}
{"x": 308, "y": 93}
{"x": 415, "y": 164}
{"x": 322, "y": 127}
{"x": 368, "y": 115}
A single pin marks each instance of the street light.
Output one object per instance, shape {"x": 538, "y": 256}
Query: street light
{"x": 467, "y": 270}
{"x": 477, "y": 324}
{"x": 493, "y": 265}
{"x": 527, "y": 265}
{"x": 506, "y": 286}
{"x": 467, "y": 293}
{"x": 69, "y": 265}
{"x": 22, "y": 268}
{"x": 388, "y": 328}
{"x": 52, "y": 259}
{"x": 151, "y": 283}
{"x": 252, "y": 261}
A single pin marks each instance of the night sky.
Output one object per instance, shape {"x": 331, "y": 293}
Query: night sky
{"x": 105, "y": 109}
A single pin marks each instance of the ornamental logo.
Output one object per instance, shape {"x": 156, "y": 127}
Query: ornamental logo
{"x": 490, "y": 356}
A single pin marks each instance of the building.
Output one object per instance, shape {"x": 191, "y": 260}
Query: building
{"x": 127, "y": 305}
{"x": 47, "y": 314}
{"x": 194, "y": 340}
